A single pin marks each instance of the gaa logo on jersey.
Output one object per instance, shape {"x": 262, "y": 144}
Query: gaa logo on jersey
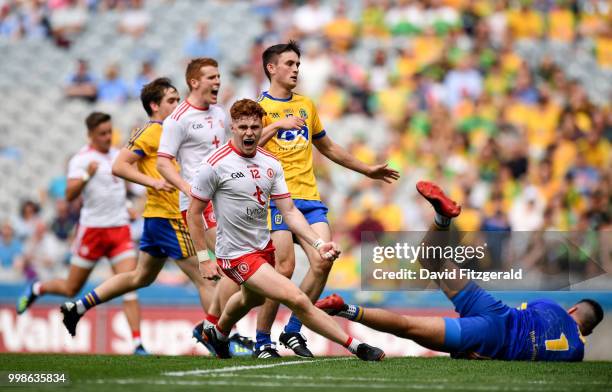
{"x": 292, "y": 134}
{"x": 243, "y": 268}
{"x": 270, "y": 173}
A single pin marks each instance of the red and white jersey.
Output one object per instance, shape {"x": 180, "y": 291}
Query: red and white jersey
{"x": 104, "y": 195}
{"x": 240, "y": 188}
{"x": 191, "y": 134}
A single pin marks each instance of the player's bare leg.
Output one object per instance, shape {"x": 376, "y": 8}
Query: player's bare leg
{"x": 131, "y": 306}
{"x": 287, "y": 293}
{"x": 312, "y": 285}
{"x": 206, "y": 288}
{"x": 144, "y": 274}
{"x": 426, "y": 331}
{"x": 69, "y": 287}
{"x": 284, "y": 256}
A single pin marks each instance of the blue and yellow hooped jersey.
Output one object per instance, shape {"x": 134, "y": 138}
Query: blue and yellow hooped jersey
{"x": 293, "y": 147}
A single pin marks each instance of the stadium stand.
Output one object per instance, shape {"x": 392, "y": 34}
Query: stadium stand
{"x": 507, "y": 106}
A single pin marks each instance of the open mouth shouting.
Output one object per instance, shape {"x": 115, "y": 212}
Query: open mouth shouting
{"x": 248, "y": 142}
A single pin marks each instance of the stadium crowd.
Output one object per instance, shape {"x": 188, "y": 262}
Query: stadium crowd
{"x": 437, "y": 88}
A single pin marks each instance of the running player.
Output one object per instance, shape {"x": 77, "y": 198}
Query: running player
{"x": 292, "y": 145}
{"x": 241, "y": 179}
{"x": 164, "y": 233}
{"x": 103, "y": 229}
{"x": 540, "y": 330}
{"x": 195, "y": 129}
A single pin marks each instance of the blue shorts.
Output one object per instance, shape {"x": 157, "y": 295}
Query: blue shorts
{"x": 162, "y": 237}
{"x": 314, "y": 211}
{"x": 481, "y": 327}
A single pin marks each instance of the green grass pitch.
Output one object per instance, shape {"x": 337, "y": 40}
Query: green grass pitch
{"x": 189, "y": 373}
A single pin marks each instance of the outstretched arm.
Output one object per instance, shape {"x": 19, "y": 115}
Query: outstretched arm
{"x": 342, "y": 157}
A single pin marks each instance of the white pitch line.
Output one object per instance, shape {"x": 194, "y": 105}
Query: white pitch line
{"x": 248, "y": 367}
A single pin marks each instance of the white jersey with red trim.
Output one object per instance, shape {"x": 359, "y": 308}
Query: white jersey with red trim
{"x": 240, "y": 188}
{"x": 104, "y": 195}
{"x": 190, "y": 134}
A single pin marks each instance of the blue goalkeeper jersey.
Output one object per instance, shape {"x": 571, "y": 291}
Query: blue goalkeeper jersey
{"x": 541, "y": 330}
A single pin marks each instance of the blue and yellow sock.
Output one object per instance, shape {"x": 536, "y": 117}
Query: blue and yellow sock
{"x": 294, "y": 325}
{"x": 262, "y": 338}
{"x": 352, "y": 312}
{"x": 87, "y": 302}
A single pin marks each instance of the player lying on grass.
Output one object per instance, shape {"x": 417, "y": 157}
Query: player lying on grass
{"x": 244, "y": 250}
{"x": 540, "y": 330}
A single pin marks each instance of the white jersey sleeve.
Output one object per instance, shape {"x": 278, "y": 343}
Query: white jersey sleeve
{"x": 76, "y": 167}
{"x": 205, "y": 183}
{"x": 279, "y": 185}
{"x": 172, "y": 137}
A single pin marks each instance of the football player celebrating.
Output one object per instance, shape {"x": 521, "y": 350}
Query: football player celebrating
{"x": 240, "y": 179}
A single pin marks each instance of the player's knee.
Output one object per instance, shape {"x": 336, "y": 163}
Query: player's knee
{"x": 72, "y": 290}
{"x": 143, "y": 280}
{"x": 254, "y": 301}
{"x": 321, "y": 268}
{"x": 286, "y": 267}
{"x": 299, "y": 302}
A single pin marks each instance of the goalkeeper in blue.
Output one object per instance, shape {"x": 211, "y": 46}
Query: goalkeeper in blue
{"x": 540, "y": 330}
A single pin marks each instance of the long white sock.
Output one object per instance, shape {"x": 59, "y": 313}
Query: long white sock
{"x": 36, "y": 288}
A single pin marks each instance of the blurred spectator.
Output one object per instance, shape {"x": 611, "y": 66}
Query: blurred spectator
{"x": 28, "y": 218}
{"x": 82, "y": 83}
{"x": 527, "y": 212}
{"x": 11, "y": 248}
{"x": 43, "y": 254}
{"x": 463, "y": 82}
{"x": 341, "y": 30}
{"x": 202, "y": 44}
{"x": 113, "y": 88}
{"x": 68, "y": 19}
{"x": 145, "y": 75}
{"x": 135, "y": 20}
{"x": 315, "y": 69}
{"x": 312, "y": 17}
{"x": 282, "y": 18}
{"x": 270, "y": 35}
{"x": 11, "y": 27}
{"x": 64, "y": 221}
{"x": 36, "y": 23}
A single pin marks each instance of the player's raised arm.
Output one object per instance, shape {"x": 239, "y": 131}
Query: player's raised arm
{"x": 342, "y": 157}
{"x": 298, "y": 225}
{"x": 125, "y": 167}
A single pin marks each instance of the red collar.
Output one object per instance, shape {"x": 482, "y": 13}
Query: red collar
{"x": 196, "y": 107}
